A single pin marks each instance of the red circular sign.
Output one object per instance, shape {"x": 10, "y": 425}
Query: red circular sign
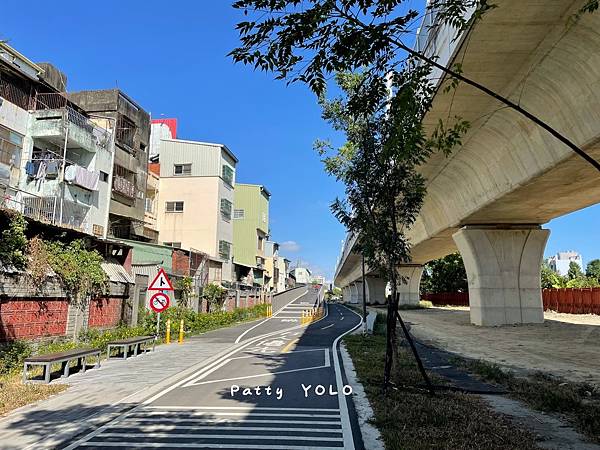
{"x": 159, "y": 302}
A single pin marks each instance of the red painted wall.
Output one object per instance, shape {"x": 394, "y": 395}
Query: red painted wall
{"x": 180, "y": 263}
{"x": 28, "y": 319}
{"x": 105, "y": 312}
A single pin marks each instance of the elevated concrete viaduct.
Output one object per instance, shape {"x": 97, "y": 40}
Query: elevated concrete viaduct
{"x": 491, "y": 196}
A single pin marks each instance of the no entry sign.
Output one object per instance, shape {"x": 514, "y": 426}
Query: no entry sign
{"x": 159, "y": 302}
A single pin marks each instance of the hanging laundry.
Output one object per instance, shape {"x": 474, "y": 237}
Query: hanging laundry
{"x": 52, "y": 169}
{"x": 30, "y": 168}
{"x": 41, "y": 172}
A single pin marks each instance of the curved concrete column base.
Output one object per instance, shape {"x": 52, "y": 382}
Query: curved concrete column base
{"x": 409, "y": 288}
{"x": 346, "y": 296}
{"x": 375, "y": 290}
{"x": 503, "y": 269}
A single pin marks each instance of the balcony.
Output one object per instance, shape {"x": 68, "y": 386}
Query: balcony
{"x": 124, "y": 187}
{"x": 53, "y": 115}
{"x": 47, "y": 209}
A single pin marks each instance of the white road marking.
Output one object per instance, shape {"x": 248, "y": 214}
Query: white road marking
{"x": 83, "y": 441}
{"x": 268, "y": 318}
{"x": 211, "y": 414}
{"x": 186, "y": 445}
{"x": 328, "y": 326}
{"x": 247, "y": 408}
{"x": 346, "y": 426}
{"x": 202, "y": 420}
{"x": 220, "y": 436}
{"x": 166, "y": 428}
{"x": 259, "y": 375}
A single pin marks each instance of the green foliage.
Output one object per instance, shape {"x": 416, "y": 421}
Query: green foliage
{"x": 310, "y": 40}
{"x": 446, "y": 274}
{"x": 13, "y": 243}
{"x": 592, "y": 269}
{"x": 574, "y": 271}
{"x": 214, "y": 294}
{"x": 550, "y": 279}
{"x": 99, "y": 339}
{"x": 186, "y": 286}
{"x": 79, "y": 269}
{"x": 196, "y": 323}
{"x": 12, "y": 355}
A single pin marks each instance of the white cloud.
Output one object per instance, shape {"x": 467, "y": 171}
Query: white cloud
{"x": 289, "y": 246}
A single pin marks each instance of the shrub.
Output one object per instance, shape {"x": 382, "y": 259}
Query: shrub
{"x": 12, "y": 355}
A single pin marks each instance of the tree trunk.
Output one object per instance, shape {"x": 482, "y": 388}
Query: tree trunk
{"x": 390, "y": 346}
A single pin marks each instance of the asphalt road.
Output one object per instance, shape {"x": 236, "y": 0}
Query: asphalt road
{"x": 281, "y": 388}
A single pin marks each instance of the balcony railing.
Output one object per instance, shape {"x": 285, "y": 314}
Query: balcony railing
{"x": 124, "y": 187}
{"x": 56, "y": 101}
{"x": 49, "y": 209}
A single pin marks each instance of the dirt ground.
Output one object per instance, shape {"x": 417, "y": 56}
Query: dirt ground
{"x": 566, "y": 345}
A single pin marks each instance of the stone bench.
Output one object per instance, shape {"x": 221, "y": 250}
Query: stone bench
{"x": 126, "y": 344}
{"x": 63, "y": 358}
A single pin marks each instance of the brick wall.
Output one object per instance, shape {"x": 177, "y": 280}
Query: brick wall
{"x": 180, "y": 263}
{"x": 32, "y": 318}
{"x": 105, "y": 312}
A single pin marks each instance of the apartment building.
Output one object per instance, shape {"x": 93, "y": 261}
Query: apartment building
{"x": 251, "y": 231}
{"x": 132, "y": 137}
{"x": 56, "y": 160}
{"x": 302, "y": 275}
{"x": 196, "y": 201}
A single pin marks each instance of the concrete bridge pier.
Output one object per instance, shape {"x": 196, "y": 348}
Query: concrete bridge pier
{"x": 356, "y": 292}
{"x": 346, "y": 295}
{"x": 408, "y": 287}
{"x": 375, "y": 290}
{"x": 503, "y": 270}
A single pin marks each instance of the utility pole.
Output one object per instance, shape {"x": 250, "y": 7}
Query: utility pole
{"x": 364, "y": 296}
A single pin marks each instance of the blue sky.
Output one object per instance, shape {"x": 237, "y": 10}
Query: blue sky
{"x": 171, "y": 58}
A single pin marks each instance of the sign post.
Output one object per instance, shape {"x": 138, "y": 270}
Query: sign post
{"x": 160, "y": 301}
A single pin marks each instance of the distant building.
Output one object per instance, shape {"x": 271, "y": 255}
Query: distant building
{"x": 251, "y": 231}
{"x": 161, "y": 129}
{"x": 562, "y": 260}
{"x": 196, "y": 201}
{"x": 302, "y": 275}
{"x": 318, "y": 279}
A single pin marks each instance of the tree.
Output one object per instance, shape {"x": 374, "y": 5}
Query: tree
{"x": 592, "y": 269}
{"x": 446, "y": 274}
{"x": 309, "y": 40}
{"x": 551, "y": 279}
{"x": 214, "y": 294}
{"x": 574, "y": 271}
{"x": 13, "y": 243}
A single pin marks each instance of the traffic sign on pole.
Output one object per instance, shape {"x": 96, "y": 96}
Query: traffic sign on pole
{"x": 159, "y": 302}
{"x": 161, "y": 282}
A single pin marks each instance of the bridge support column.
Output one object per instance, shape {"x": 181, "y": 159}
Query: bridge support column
{"x": 354, "y": 295}
{"x": 375, "y": 290}
{"x": 503, "y": 270}
{"x": 409, "y": 288}
{"x": 346, "y": 294}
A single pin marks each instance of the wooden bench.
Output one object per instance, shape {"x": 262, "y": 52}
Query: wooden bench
{"x": 126, "y": 344}
{"x": 64, "y": 358}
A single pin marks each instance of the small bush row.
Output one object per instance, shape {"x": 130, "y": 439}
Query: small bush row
{"x": 13, "y": 353}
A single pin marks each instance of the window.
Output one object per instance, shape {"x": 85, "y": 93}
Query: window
{"x": 10, "y": 147}
{"x": 182, "y": 170}
{"x": 174, "y": 207}
{"x": 227, "y": 175}
{"x": 149, "y": 205}
{"x": 104, "y": 176}
{"x": 261, "y": 241}
{"x": 226, "y": 207}
{"x": 238, "y": 213}
{"x": 224, "y": 250}
{"x": 172, "y": 244}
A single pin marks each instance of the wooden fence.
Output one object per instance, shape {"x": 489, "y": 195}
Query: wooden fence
{"x": 567, "y": 300}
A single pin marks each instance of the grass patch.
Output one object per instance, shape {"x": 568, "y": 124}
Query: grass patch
{"x": 14, "y": 394}
{"x": 579, "y": 403}
{"x": 411, "y": 419}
